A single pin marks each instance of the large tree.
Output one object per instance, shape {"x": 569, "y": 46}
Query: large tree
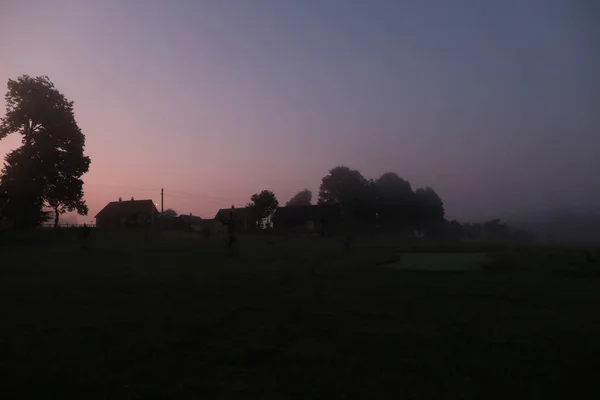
{"x": 343, "y": 185}
{"x": 353, "y": 192}
{"x": 496, "y": 230}
{"x": 395, "y": 202}
{"x": 429, "y": 208}
{"x": 52, "y": 153}
{"x": 264, "y": 204}
{"x": 169, "y": 213}
{"x": 387, "y": 201}
{"x": 23, "y": 191}
{"x": 302, "y": 198}
{"x": 392, "y": 189}
{"x": 472, "y": 230}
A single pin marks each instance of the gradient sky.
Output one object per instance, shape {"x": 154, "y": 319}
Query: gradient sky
{"x": 495, "y": 104}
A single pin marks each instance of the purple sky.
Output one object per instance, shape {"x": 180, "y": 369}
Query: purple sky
{"x": 495, "y": 104}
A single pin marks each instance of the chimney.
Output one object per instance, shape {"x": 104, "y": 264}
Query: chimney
{"x": 120, "y": 199}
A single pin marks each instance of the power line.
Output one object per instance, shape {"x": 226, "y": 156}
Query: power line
{"x": 198, "y": 198}
{"x": 199, "y": 195}
{"x": 175, "y": 193}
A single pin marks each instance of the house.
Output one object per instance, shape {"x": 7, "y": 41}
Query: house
{"x": 191, "y": 222}
{"x": 180, "y": 222}
{"x": 121, "y": 213}
{"x": 214, "y": 226}
{"x": 245, "y": 218}
{"x": 313, "y": 218}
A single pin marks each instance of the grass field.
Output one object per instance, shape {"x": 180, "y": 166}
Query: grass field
{"x": 174, "y": 316}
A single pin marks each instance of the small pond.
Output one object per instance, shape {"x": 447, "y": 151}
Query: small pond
{"x": 441, "y": 261}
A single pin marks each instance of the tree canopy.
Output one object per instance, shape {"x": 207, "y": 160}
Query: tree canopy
{"x": 169, "y": 213}
{"x": 23, "y": 193}
{"x": 493, "y": 230}
{"x": 389, "y": 202}
{"x": 386, "y": 201}
{"x": 391, "y": 189}
{"x": 47, "y": 169}
{"x": 342, "y": 185}
{"x": 264, "y": 204}
{"x": 431, "y": 206}
{"x": 302, "y": 198}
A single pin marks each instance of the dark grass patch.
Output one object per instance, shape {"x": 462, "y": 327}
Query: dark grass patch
{"x": 579, "y": 274}
{"x": 288, "y": 319}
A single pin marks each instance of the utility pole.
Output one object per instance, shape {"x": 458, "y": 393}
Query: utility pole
{"x": 162, "y": 201}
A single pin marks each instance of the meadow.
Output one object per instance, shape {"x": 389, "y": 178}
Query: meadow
{"x": 165, "y": 315}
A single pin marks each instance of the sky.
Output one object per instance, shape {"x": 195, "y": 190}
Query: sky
{"x": 494, "y": 104}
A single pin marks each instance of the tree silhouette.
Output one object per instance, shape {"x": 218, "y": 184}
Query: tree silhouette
{"x": 302, "y": 198}
{"x": 169, "y": 213}
{"x": 386, "y": 202}
{"x": 472, "y": 231}
{"x": 264, "y": 204}
{"x": 47, "y": 168}
{"x": 395, "y": 202}
{"x": 353, "y": 192}
{"x": 23, "y": 190}
{"x": 430, "y": 207}
{"x": 392, "y": 189}
{"x": 3, "y": 202}
{"x": 495, "y": 229}
{"x": 343, "y": 185}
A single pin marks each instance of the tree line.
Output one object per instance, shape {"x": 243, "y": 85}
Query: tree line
{"x": 41, "y": 179}
{"x": 387, "y": 203}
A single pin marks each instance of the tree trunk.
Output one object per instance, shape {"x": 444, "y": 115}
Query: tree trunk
{"x": 56, "y": 217}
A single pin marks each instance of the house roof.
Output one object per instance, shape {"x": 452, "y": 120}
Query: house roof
{"x": 307, "y": 213}
{"x": 243, "y": 213}
{"x": 190, "y": 219}
{"x": 126, "y": 207}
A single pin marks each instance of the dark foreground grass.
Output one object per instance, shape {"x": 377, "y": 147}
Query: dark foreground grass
{"x": 139, "y": 316}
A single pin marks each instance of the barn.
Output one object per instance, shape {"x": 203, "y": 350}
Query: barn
{"x": 122, "y": 213}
